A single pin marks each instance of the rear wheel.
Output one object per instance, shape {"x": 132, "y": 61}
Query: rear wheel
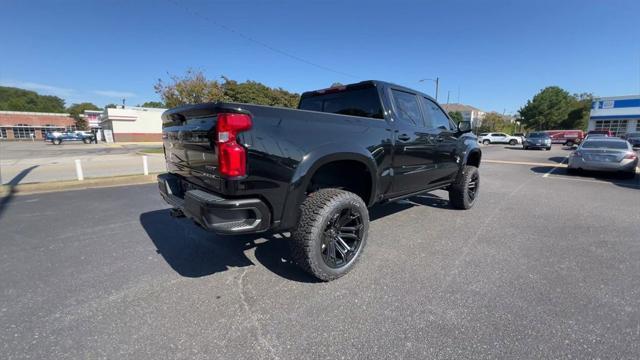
{"x": 331, "y": 233}
{"x": 464, "y": 192}
{"x": 513, "y": 142}
{"x": 86, "y": 140}
{"x": 57, "y": 141}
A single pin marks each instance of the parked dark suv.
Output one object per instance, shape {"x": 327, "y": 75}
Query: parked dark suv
{"x": 537, "y": 140}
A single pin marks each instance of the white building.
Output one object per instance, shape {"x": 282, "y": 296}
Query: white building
{"x": 469, "y": 113}
{"x": 136, "y": 124}
{"x": 620, "y": 114}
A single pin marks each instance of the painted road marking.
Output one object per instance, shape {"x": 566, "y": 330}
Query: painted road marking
{"x": 554, "y": 169}
{"x": 524, "y": 163}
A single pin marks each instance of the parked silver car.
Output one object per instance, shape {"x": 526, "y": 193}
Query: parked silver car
{"x": 604, "y": 154}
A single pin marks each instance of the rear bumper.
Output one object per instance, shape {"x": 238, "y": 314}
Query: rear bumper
{"x": 625, "y": 165}
{"x": 212, "y": 212}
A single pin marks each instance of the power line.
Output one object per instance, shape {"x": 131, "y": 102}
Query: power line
{"x": 261, "y": 43}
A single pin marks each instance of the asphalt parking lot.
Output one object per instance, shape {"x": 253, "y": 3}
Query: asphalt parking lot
{"x": 544, "y": 266}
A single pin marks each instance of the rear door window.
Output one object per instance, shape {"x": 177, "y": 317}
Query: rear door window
{"x": 406, "y": 108}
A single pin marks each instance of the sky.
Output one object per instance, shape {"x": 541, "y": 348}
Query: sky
{"x": 494, "y": 55}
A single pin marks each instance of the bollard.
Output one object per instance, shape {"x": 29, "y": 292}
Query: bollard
{"x": 145, "y": 164}
{"x": 79, "y": 170}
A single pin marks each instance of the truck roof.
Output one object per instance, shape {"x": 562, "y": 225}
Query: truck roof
{"x": 375, "y": 83}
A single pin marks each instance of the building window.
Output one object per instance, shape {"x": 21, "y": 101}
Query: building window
{"x": 638, "y": 125}
{"x": 617, "y": 127}
{"x": 23, "y": 131}
{"x": 3, "y": 133}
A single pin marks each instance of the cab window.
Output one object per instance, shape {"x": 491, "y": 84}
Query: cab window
{"x": 407, "y": 108}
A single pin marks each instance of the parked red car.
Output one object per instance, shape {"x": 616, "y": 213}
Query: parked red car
{"x": 566, "y": 137}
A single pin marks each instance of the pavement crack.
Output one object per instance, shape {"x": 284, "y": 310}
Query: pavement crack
{"x": 254, "y": 318}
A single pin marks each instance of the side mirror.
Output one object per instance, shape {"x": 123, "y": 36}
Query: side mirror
{"x": 464, "y": 126}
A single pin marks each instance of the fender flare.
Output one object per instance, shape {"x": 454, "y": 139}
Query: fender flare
{"x": 308, "y": 166}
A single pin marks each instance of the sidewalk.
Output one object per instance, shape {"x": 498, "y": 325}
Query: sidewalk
{"x": 38, "y": 170}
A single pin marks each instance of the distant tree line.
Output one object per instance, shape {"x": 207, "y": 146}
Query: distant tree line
{"x": 554, "y": 108}
{"x": 14, "y": 99}
{"x": 194, "y": 87}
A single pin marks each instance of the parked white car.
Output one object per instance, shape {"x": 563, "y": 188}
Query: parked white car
{"x": 499, "y": 138}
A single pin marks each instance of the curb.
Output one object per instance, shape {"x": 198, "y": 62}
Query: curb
{"x": 88, "y": 183}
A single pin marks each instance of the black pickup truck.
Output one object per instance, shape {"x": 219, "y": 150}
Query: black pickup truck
{"x": 314, "y": 171}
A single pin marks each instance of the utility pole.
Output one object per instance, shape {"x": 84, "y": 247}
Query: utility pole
{"x": 448, "y": 95}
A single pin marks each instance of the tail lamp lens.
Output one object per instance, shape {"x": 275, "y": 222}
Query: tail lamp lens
{"x": 631, "y": 155}
{"x": 232, "y": 157}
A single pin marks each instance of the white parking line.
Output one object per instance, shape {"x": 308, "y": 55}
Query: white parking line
{"x": 554, "y": 168}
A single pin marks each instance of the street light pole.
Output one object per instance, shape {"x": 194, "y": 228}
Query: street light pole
{"x": 437, "y": 81}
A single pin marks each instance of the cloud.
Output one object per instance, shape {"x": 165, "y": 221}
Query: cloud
{"x": 41, "y": 88}
{"x": 114, "y": 94}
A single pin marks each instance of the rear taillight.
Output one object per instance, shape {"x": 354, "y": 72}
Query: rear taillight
{"x": 232, "y": 157}
{"x": 631, "y": 155}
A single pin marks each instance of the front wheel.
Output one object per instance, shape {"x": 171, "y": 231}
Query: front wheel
{"x": 57, "y": 141}
{"x": 331, "y": 233}
{"x": 86, "y": 141}
{"x": 486, "y": 142}
{"x": 465, "y": 190}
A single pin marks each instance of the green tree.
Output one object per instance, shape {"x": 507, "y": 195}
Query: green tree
{"x": 111, "y": 106}
{"x": 14, "y": 99}
{"x": 495, "y": 122}
{"x": 76, "y": 110}
{"x": 153, "y": 104}
{"x": 337, "y": 84}
{"x": 549, "y": 109}
{"x": 456, "y": 116}
{"x": 194, "y": 87}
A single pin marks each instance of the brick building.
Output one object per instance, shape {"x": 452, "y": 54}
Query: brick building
{"x": 22, "y": 125}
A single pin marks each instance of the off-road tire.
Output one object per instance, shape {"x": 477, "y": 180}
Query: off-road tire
{"x": 306, "y": 239}
{"x": 459, "y": 193}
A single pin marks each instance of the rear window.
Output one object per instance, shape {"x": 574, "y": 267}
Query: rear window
{"x": 597, "y": 144}
{"x": 357, "y": 102}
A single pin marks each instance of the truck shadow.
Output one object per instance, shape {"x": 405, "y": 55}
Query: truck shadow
{"x": 194, "y": 252}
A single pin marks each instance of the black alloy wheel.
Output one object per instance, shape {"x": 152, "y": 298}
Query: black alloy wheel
{"x": 342, "y": 238}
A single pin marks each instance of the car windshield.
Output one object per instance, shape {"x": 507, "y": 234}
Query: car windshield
{"x": 538, "y": 135}
{"x": 633, "y": 135}
{"x": 600, "y": 144}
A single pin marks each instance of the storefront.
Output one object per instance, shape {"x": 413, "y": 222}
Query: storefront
{"x": 21, "y": 125}
{"x": 619, "y": 114}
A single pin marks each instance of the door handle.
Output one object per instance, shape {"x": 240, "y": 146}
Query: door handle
{"x": 404, "y": 137}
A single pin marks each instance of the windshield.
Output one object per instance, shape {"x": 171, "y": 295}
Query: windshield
{"x": 357, "y": 102}
{"x": 633, "y": 135}
{"x": 605, "y": 145}
{"x": 538, "y": 135}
